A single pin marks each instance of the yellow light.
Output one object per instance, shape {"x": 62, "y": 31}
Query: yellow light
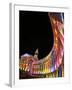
{"x": 23, "y": 68}
{"x": 56, "y": 45}
{"x": 53, "y": 20}
{"x": 55, "y": 31}
{"x": 56, "y": 39}
{"x": 62, "y": 72}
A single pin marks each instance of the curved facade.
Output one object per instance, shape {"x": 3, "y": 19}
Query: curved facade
{"x": 52, "y": 65}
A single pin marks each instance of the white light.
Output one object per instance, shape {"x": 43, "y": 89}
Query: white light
{"x": 25, "y": 55}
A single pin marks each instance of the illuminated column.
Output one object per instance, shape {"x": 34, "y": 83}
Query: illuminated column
{"x": 60, "y": 71}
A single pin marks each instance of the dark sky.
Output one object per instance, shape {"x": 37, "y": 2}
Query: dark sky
{"x": 35, "y": 31}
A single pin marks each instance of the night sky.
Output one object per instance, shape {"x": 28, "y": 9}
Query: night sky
{"x": 35, "y": 31}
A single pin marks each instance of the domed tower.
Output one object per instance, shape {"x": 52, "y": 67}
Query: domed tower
{"x": 36, "y": 54}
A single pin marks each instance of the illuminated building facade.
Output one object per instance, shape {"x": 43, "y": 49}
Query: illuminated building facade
{"x": 53, "y": 64}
